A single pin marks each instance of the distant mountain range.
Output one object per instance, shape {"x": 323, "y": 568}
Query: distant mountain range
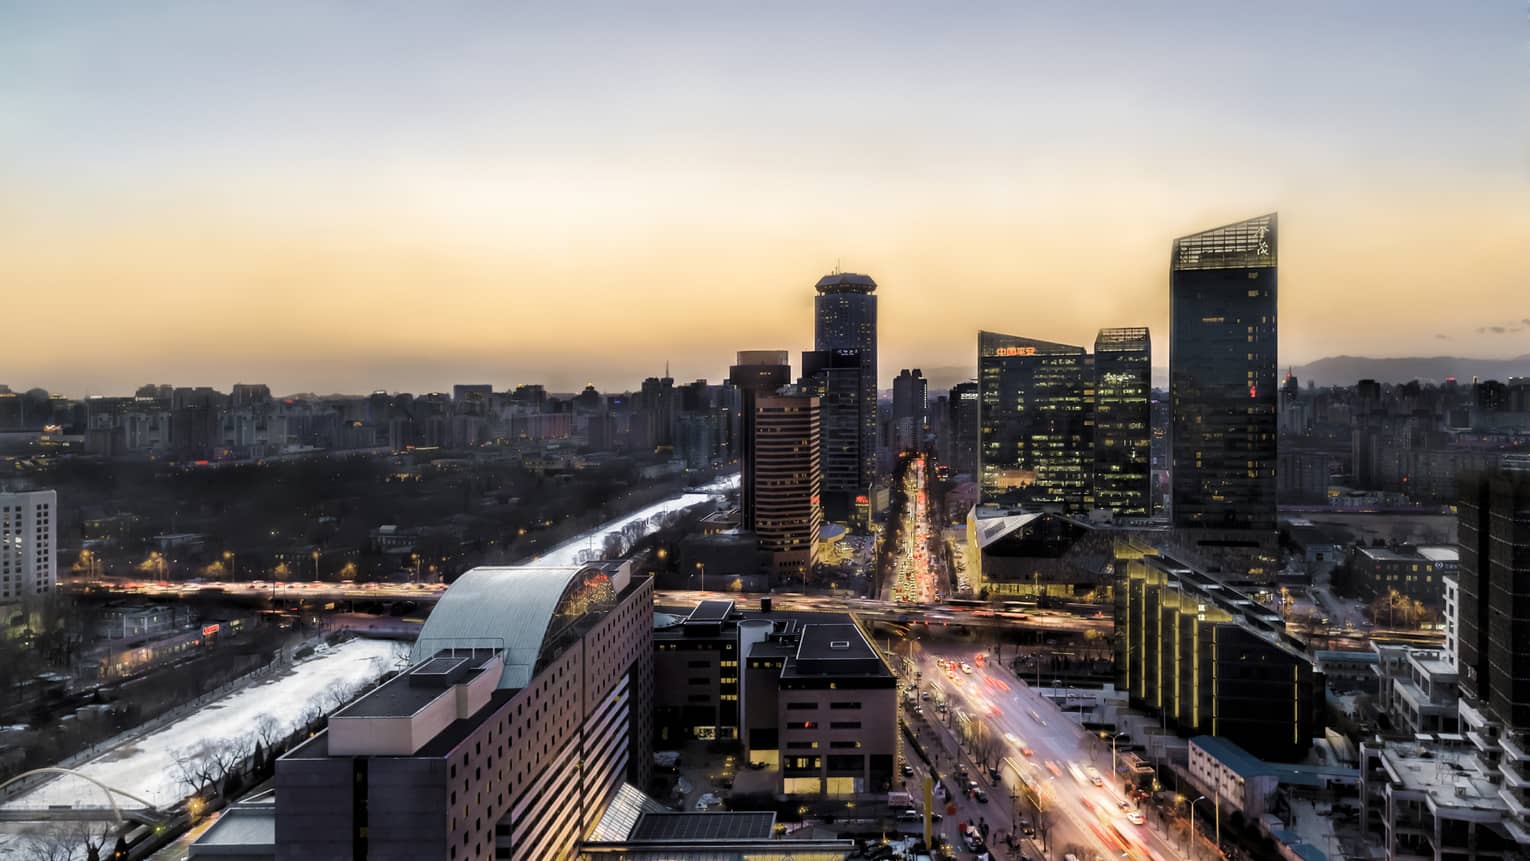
{"x": 1348, "y": 370}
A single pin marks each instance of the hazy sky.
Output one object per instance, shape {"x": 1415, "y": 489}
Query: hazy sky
{"x": 349, "y": 196}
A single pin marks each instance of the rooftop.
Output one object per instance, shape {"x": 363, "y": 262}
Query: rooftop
{"x": 846, "y": 282}
{"x": 700, "y": 827}
{"x": 1448, "y": 774}
{"x": 1246, "y": 765}
{"x": 409, "y": 692}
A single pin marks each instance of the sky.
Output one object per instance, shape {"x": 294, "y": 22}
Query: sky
{"x": 356, "y": 196}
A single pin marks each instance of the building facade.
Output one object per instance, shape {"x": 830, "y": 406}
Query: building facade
{"x": 1223, "y": 390}
{"x": 527, "y": 706}
{"x": 758, "y": 373}
{"x": 1211, "y": 660}
{"x": 1123, "y": 421}
{"x": 1035, "y": 435}
{"x": 1493, "y": 660}
{"x": 911, "y": 408}
{"x": 845, "y": 318}
{"x": 28, "y": 545}
{"x": 786, "y": 483}
{"x": 836, "y": 378}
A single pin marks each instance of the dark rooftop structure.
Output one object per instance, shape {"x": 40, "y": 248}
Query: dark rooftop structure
{"x": 846, "y": 282}
{"x": 703, "y": 827}
{"x": 406, "y": 694}
{"x": 834, "y": 650}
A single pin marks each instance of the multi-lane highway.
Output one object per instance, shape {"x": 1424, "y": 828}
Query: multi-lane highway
{"x": 913, "y": 579}
{"x": 1044, "y": 753}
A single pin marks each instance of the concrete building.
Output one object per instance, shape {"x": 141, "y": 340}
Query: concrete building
{"x": 1347, "y": 671}
{"x": 1417, "y": 572}
{"x": 527, "y": 706}
{"x": 786, "y": 483}
{"x": 911, "y": 409}
{"x": 1211, "y": 659}
{"x": 28, "y": 545}
{"x": 814, "y": 701}
{"x": 1430, "y": 798}
{"x": 1236, "y": 780}
{"x": 836, "y": 378}
{"x": 1494, "y": 614}
{"x": 759, "y": 373}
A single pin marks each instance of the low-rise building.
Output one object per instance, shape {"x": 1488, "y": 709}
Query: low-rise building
{"x": 1417, "y": 572}
{"x": 1429, "y": 798}
{"x": 1238, "y": 780}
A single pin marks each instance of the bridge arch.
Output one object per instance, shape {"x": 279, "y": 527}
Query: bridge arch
{"x": 109, "y": 791}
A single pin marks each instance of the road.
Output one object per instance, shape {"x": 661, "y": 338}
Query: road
{"x": 913, "y": 579}
{"x": 1016, "y": 718}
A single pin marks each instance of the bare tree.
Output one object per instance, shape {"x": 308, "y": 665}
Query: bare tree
{"x": 194, "y": 768}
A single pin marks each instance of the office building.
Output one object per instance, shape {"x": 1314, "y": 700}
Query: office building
{"x": 1223, "y": 391}
{"x": 1493, "y": 533}
{"x": 1416, "y": 572}
{"x": 911, "y": 408}
{"x": 1210, "y": 659}
{"x": 836, "y": 378}
{"x": 785, "y": 481}
{"x": 28, "y": 545}
{"x": 845, "y": 318}
{"x": 1035, "y": 423}
{"x": 758, "y": 372}
{"x": 1123, "y": 422}
{"x": 526, "y": 710}
{"x": 961, "y": 445}
{"x": 814, "y": 701}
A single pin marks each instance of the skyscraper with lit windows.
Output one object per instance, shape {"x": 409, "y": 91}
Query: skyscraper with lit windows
{"x": 1223, "y": 388}
{"x": 845, "y": 318}
{"x": 1035, "y": 439}
{"x": 1123, "y": 421}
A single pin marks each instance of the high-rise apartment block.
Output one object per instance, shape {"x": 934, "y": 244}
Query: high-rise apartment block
{"x": 758, "y": 373}
{"x": 836, "y": 378}
{"x": 28, "y": 545}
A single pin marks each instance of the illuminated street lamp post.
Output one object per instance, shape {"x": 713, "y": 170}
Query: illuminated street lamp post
{"x": 1190, "y": 830}
{"x": 233, "y": 565}
{"x": 316, "y": 565}
{"x": 1113, "y": 769}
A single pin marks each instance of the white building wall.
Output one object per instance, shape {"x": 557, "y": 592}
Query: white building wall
{"x": 28, "y": 544}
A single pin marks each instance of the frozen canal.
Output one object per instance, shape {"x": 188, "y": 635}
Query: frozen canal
{"x": 591, "y": 543}
{"x": 146, "y": 767}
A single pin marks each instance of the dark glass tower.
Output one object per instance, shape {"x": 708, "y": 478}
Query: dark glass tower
{"x": 835, "y": 377}
{"x": 759, "y": 373}
{"x": 1123, "y": 421}
{"x": 1035, "y": 423}
{"x": 1223, "y": 386}
{"x": 845, "y": 318}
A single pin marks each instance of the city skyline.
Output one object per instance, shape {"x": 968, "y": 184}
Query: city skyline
{"x": 328, "y": 200}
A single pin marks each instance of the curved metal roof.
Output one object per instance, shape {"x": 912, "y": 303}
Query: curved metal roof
{"x": 498, "y": 607}
{"x": 846, "y": 282}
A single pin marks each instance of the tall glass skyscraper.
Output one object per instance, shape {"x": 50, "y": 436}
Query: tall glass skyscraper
{"x": 845, "y": 318}
{"x": 835, "y": 377}
{"x": 1123, "y": 421}
{"x": 1223, "y": 386}
{"x": 1035, "y": 423}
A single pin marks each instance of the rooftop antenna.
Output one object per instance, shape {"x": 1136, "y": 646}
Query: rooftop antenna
{"x": 836, "y": 266}
{"x": 666, "y": 368}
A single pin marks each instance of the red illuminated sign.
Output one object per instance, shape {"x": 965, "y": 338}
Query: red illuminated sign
{"x": 209, "y": 630}
{"x": 1015, "y": 351}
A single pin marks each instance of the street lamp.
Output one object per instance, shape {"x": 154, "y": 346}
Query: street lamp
{"x": 316, "y": 565}
{"x": 1190, "y": 830}
{"x": 233, "y": 565}
{"x": 702, "y": 568}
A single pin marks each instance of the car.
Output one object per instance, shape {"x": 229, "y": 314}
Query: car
{"x": 909, "y": 815}
{"x": 1027, "y": 828}
{"x": 908, "y": 770}
{"x": 1026, "y": 751}
{"x": 980, "y": 795}
{"x": 925, "y": 696}
{"x": 1134, "y": 818}
{"x": 961, "y": 771}
{"x": 1124, "y": 804}
{"x": 1013, "y": 739}
{"x": 966, "y": 668}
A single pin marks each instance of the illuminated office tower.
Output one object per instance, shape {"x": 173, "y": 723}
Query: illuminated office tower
{"x": 835, "y": 378}
{"x": 845, "y": 318}
{"x": 1223, "y": 390}
{"x": 1035, "y": 423}
{"x": 1123, "y": 430}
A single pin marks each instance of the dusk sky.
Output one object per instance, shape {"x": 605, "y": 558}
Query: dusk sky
{"x": 350, "y": 196}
